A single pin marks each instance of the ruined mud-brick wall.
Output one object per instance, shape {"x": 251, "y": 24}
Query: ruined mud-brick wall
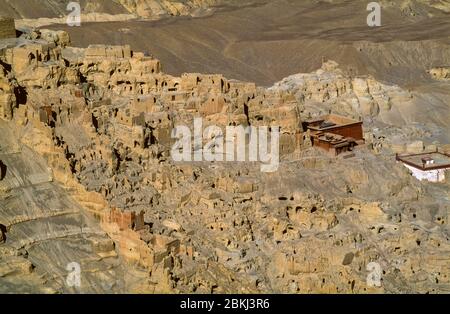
{"x": 7, "y": 28}
{"x": 125, "y": 219}
{"x": 118, "y": 225}
{"x": 137, "y": 245}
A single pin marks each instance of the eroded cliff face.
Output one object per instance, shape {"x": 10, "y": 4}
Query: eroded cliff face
{"x": 44, "y": 229}
{"x": 101, "y": 119}
{"x": 154, "y": 8}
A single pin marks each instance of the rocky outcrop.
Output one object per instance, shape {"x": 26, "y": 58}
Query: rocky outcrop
{"x": 155, "y": 8}
{"x": 440, "y": 73}
{"x": 363, "y": 96}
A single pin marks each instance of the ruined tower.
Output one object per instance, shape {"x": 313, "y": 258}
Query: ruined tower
{"x": 7, "y": 27}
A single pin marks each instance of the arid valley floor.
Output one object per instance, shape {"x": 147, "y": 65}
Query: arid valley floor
{"x": 87, "y": 121}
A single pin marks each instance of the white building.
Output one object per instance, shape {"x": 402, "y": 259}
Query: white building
{"x": 427, "y": 166}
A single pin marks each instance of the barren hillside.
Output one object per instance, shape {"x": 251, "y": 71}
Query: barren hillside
{"x": 266, "y": 42}
{"x": 32, "y": 9}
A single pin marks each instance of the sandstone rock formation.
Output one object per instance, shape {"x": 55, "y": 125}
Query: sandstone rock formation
{"x": 440, "y": 73}
{"x": 41, "y": 13}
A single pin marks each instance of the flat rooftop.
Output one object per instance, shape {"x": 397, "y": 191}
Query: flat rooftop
{"x": 330, "y": 121}
{"x": 332, "y": 138}
{"x": 426, "y": 161}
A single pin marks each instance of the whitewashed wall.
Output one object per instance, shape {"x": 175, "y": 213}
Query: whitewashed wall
{"x": 430, "y": 175}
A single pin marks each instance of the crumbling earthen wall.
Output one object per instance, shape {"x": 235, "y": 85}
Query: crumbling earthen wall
{"x": 7, "y": 28}
{"x": 125, "y": 219}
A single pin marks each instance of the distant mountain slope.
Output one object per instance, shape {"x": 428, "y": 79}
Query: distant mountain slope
{"x": 266, "y": 42}
{"x": 31, "y": 9}
{"x": 262, "y": 40}
{"x": 418, "y": 7}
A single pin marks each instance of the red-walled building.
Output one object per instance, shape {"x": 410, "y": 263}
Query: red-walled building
{"x": 334, "y": 133}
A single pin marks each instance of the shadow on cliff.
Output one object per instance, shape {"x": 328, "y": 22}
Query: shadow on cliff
{"x": 2, "y": 233}
{"x": 3, "y": 169}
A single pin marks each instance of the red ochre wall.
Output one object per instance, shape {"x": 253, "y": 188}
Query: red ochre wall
{"x": 355, "y": 131}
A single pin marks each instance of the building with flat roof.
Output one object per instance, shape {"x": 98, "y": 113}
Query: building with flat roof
{"x": 427, "y": 166}
{"x": 334, "y": 133}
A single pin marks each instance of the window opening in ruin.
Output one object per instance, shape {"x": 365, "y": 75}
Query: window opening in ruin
{"x": 3, "y": 169}
{"x": 31, "y": 57}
